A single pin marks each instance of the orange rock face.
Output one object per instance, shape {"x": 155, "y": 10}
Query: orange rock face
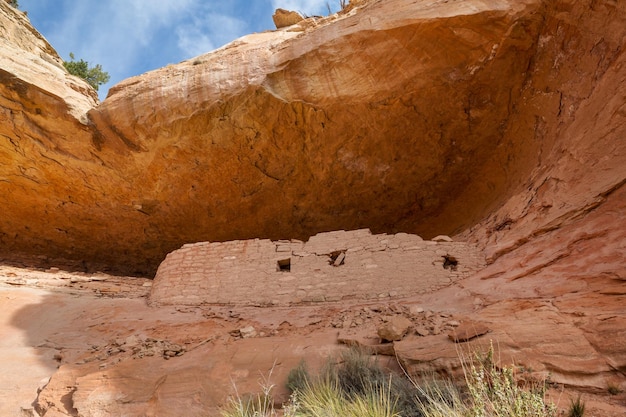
{"x": 385, "y": 117}
{"x": 501, "y": 122}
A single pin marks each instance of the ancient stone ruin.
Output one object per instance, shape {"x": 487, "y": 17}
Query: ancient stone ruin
{"x": 329, "y": 267}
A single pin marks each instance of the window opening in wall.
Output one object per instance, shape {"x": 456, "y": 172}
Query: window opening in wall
{"x": 337, "y": 257}
{"x": 283, "y": 265}
{"x": 450, "y": 262}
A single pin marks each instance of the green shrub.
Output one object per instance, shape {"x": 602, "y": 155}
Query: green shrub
{"x": 355, "y": 385}
{"x": 94, "y": 76}
{"x": 322, "y": 398}
{"x": 576, "y": 408}
{"x": 357, "y": 374}
{"x": 298, "y": 378}
{"x": 325, "y": 398}
{"x": 14, "y": 3}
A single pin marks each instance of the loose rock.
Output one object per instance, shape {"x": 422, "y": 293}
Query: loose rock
{"x": 247, "y": 332}
{"x": 395, "y": 329}
{"x": 283, "y": 18}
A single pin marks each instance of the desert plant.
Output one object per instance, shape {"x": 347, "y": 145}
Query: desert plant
{"x": 440, "y": 400}
{"x": 252, "y": 405}
{"x": 613, "y": 389}
{"x": 341, "y": 3}
{"x": 325, "y": 398}
{"x": 298, "y": 378}
{"x": 358, "y": 378}
{"x": 322, "y": 398}
{"x": 576, "y": 408}
{"x": 356, "y": 386}
{"x": 257, "y": 405}
{"x": 491, "y": 391}
{"x": 94, "y": 76}
{"x": 494, "y": 391}
{"x": 358, "y": 373}
{"x": 13, "y": 3}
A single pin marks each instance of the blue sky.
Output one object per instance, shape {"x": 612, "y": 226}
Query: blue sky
{"x": 130, "y": 37}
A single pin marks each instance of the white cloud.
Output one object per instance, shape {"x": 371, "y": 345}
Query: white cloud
{"x": 142, "y": 19}
{"x": 129, "y": 37}
{"x": 208, "y": 30}
{"x": 116, "y": 33}
{"x": 134, "y": 25}
{"x": 192, "y": 41}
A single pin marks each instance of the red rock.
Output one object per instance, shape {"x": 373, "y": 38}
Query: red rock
{"x": 177, "y": 154}
{"x": 468, "y": 331}
{"x": 512, "y": 138}
{"x": 394, "y": 329}
{"x": 283, "y": 18}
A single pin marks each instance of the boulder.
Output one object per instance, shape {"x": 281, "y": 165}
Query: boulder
{"x": 247, "y": 332}
{"x": 394, "y": 329}
{"x": 283, "y": 18}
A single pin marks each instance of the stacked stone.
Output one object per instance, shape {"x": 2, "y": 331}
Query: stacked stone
{"x": 331, "y": 266}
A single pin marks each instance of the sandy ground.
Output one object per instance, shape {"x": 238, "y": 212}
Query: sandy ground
{"x": 37, "y": 307}
{"x": 23, "y": 367}
{"x": 105, "y": 351}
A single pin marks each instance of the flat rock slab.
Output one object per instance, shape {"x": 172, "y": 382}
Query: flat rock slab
{"x": 468, "y": 331}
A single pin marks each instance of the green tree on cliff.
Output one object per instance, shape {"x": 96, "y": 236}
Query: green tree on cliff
{"x": 13, "y": 3}
{"x": 95, "y": 76}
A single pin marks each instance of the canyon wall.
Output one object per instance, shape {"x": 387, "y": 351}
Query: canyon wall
{"x": 502, "y": 122}
{"x": 407, "y": 133}
{"x": 498, "y": 120}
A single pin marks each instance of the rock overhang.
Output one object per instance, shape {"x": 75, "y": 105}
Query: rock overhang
{"x": 397, "y": 117}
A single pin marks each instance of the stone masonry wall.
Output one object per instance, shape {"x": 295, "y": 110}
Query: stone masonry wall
{"x": 329, "y": 267}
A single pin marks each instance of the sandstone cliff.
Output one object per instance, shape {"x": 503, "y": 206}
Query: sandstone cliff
{"x": 500, "y": 121}
{"x": 394, "y": 116}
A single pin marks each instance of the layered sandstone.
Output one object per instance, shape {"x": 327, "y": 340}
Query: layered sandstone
{"x": 261, "y": 139}
{"x": 503, "y": 121}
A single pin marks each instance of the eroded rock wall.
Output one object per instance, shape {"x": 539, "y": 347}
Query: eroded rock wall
{"x": 421, "y": 117}
{"x": 573, "y": 107}
{"x": 378, "y": 118}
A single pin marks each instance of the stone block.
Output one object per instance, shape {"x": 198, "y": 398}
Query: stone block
{"x": 283, "y": 248}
